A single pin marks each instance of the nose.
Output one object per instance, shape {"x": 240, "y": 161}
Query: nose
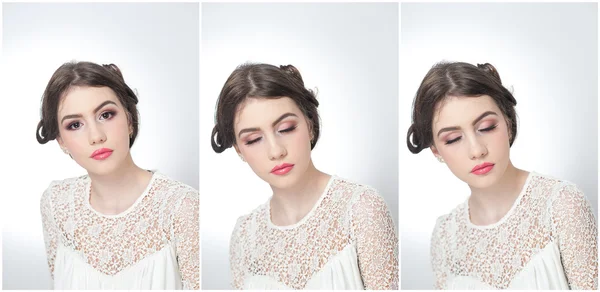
{"x": 276, "y": 149}
{"x": 476, "y": 148}
{"x": 96, "y": 134}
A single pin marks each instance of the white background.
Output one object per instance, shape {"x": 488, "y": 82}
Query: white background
{"x": 547, "y": 54}
{"x": 350, "y": 53}
{"x": 156, "y": 46}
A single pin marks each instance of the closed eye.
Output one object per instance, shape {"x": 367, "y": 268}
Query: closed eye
{"x": 489, "y": 128}
{"x": 453, "y": 140}
{"x": 253, "y": 141}
{"x": 288, "y": 129}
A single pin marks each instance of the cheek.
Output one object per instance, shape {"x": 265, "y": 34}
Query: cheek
{"x": 454, "y": 157}
{"x": 499, "y": 139}
{"x": 301, "y": 137}
{"x": 73, "y": 140}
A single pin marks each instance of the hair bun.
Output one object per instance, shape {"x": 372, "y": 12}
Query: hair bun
{"x": 290, "y": 69}
{"x": 113, "y": 68}
{"x": 488, "y": 68}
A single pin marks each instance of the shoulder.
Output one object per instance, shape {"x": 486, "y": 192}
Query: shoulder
{"x": 447, "y": 224}
{"x": 554, "y": 190}
{"x": 246, "y": 227}
{"x": 546, "y": 186}
{"x": 173, "y": 190}
{"x": 62, "y": 190}
{"x": 249, "y": 221}
{"x": 563, "y": 195}
{"x": 359, "y": 195}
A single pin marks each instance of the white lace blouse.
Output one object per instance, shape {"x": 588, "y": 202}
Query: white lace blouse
{"x": 152, "y": 245}
{"x": 548, "y": 240}
{"x": 347, "y": 241}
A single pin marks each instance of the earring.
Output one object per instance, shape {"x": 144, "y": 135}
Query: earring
{"x": 440, "y": 159}
{"x": 65, "y": 151}
{"x": 241, "y": 157}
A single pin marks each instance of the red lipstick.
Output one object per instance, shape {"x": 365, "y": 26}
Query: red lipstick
{"x": 482, "y": 168}
{"x": 101, "y": 153}
{"x": 282, "y": 169}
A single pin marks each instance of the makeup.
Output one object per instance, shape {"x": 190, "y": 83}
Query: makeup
{"x": 101, "y": 153}
{"x": 282, "y": 169}
{"x": 482, "y": 169}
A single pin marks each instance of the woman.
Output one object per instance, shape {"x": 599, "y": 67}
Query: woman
{"x": 119, "y": 226}
{"x": 517, "y": 229}
{"x": 317, "y": 231}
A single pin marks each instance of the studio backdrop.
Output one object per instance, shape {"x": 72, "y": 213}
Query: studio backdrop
{"x": 156, "y": 46}
{"x": 347, "y": 53}
{"x": 547, "y": 55}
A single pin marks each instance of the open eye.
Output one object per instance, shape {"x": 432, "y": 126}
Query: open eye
{"x": 107, "y": 115}
{"x": 74, "y": 126}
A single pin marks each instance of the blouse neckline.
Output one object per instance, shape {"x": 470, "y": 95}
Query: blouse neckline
{"x": 88, "y": 192}
{"x": 507, "y": 215}
{"x": 307, "y": 216}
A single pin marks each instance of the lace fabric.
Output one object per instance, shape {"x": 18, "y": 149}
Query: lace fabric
{"x": 547, "y": 211}
{"x": 346, "y": 214}
{"x": 166, "y": 214}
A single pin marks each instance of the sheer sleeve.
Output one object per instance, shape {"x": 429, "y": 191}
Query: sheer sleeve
{"x": 376, "y": 242}
{"x": 236, "y": 258}
{"x": 49, "y": 226}
{"x": 575, "y": 228}
{"x": 438, "y": 255}
{"x": 186, "y": 231}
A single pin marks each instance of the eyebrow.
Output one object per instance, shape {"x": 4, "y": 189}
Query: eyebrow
{"x": 273, "y": 124}
{"x": 474, "y": 122}
{"x": 95, "y": 111}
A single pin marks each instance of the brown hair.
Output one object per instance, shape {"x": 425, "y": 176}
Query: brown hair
{"x": 83, "y": 74}
{"x": 261, "y": 81}
{"x": 456, "y": 79}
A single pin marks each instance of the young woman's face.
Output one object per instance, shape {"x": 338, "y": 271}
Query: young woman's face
{"x": 472, "y": 136}
{"x": 273, "y": 136}
{"x": 94, "y": 128}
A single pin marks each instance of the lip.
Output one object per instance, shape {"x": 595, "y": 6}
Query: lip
{"x": 101, "y": 153}
{"x": 482, "y": 168}
{"x": 282, "y": 169}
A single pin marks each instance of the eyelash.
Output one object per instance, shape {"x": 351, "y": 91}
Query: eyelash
{"x": 110, "y": 114}
{"x": 290, "y": 129}
{"x": 488, "y": 129}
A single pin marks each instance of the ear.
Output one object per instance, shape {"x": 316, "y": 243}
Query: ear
{"x": 60, "y": 142}
{"x": 434, "y": 151}
{"x": 237, "y": 149}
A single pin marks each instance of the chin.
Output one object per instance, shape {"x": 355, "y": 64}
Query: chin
{"x": 281, "y": 181}
{"x": 483, "y": 181}
{"x": 101, "y": 167}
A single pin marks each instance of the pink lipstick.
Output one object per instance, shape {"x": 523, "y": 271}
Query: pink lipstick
{"x": 101, "y": 153}
{"x": 482, "y": 168}
{"x": 282, "y": 169}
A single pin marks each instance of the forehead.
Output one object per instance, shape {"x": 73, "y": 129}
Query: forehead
{"x": 260, "y": 111}
{"x": 462, "y": 110}
{"x": 81, "y": 100}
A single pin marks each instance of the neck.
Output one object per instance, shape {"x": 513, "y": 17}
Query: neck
{"x": 489, "y": 205}
{"x": 115, "y": 192}
{"x": 290, "y": 205}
